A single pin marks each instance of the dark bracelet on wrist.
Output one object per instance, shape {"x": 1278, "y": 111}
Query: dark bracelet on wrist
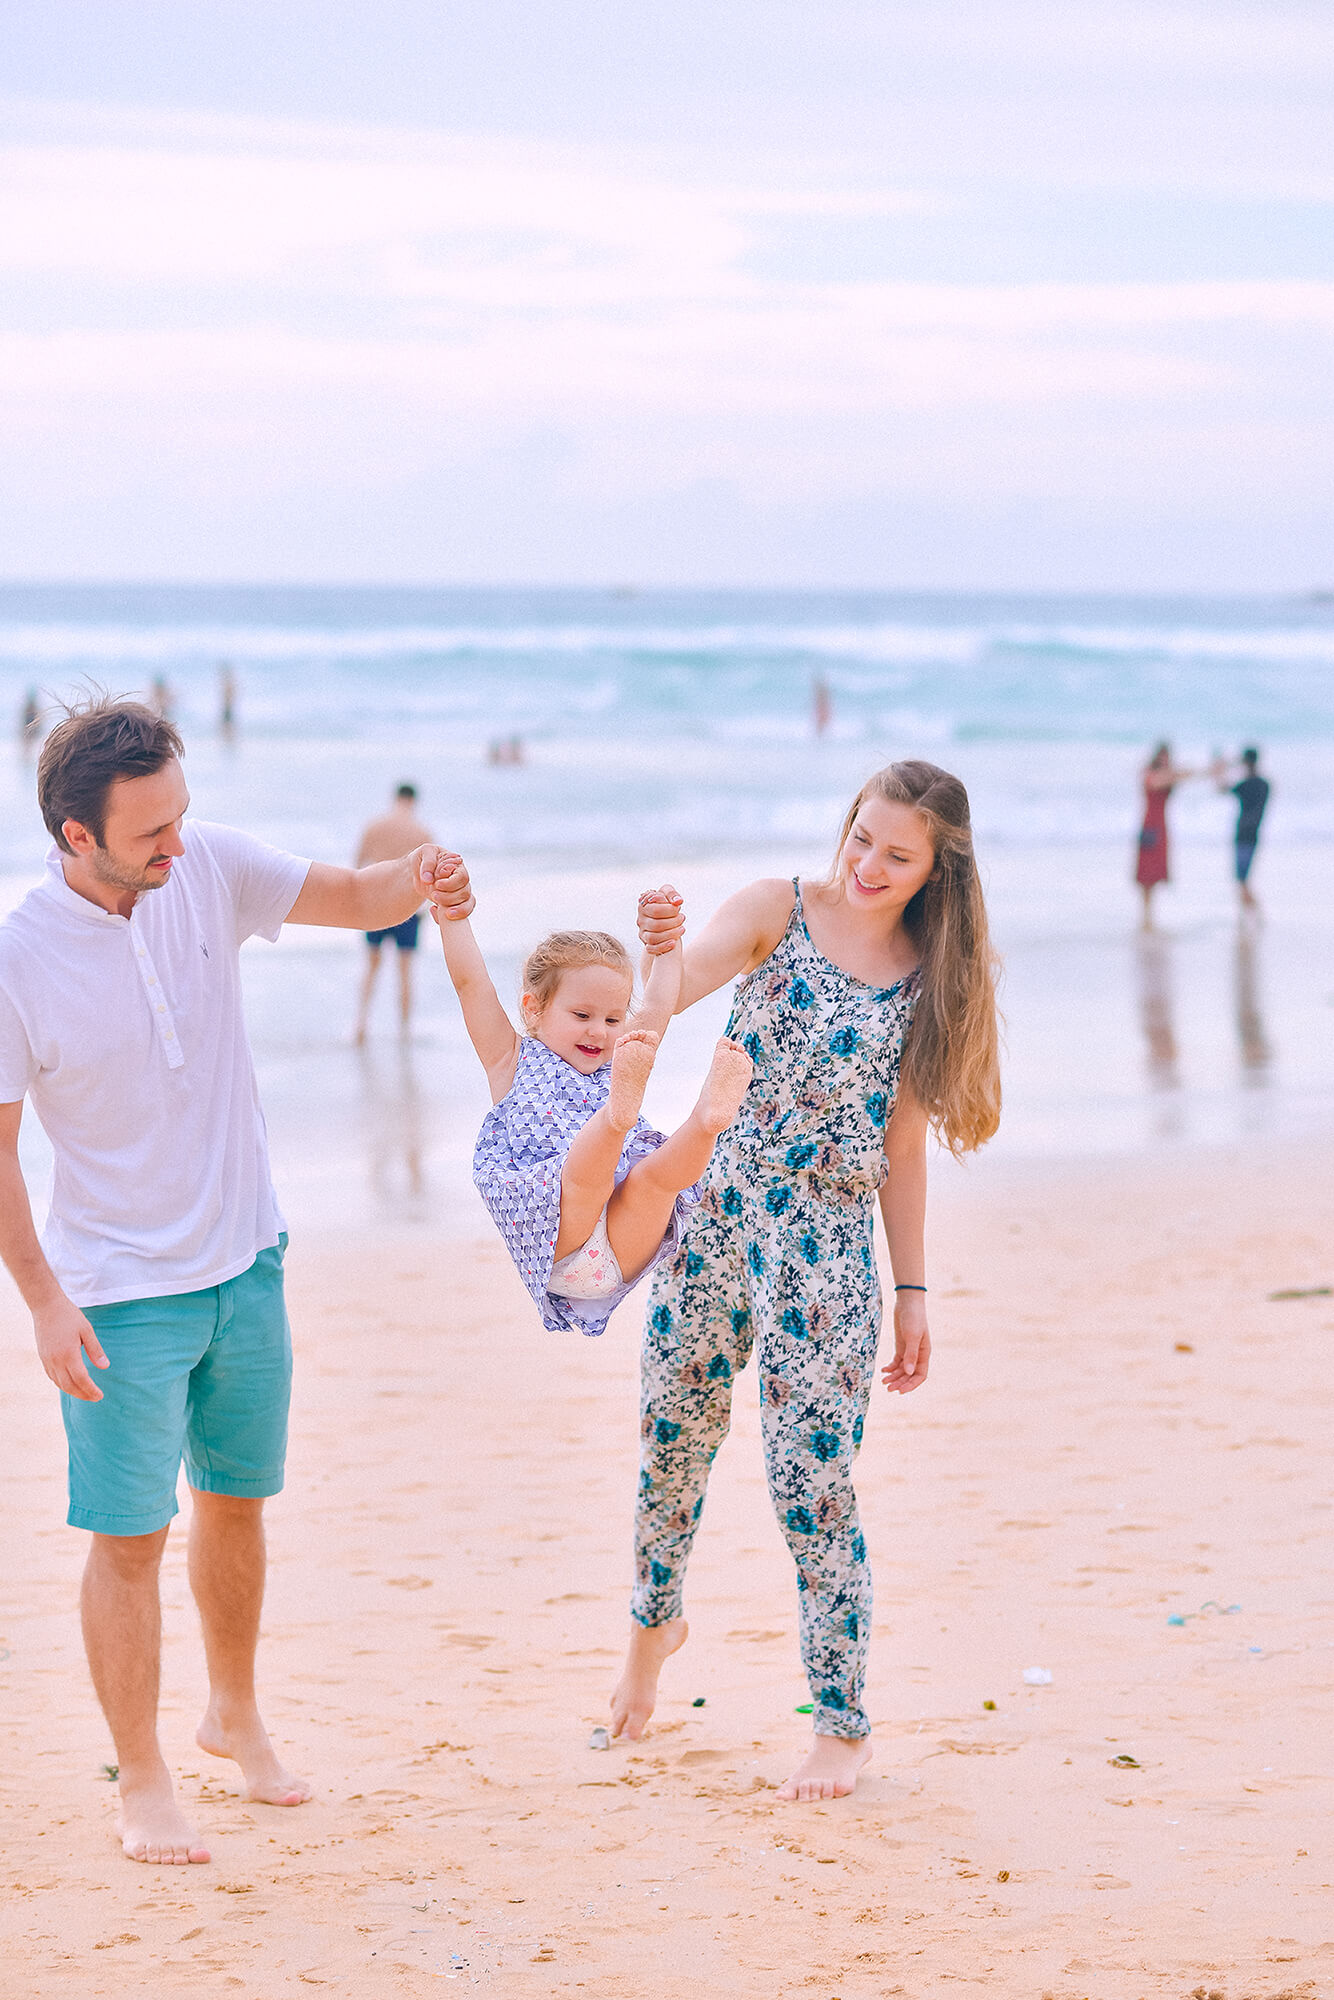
{"x": 910, "y": 1288}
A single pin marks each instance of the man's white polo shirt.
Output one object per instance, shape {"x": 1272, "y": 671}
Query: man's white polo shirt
{"x": 127, "y": 1034}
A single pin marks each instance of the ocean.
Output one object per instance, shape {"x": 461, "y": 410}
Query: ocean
{"x": 671, "y": 732}
{"x": 664, "y": 723}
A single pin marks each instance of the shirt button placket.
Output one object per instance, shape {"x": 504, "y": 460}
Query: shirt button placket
{"x": 152, "y": 988}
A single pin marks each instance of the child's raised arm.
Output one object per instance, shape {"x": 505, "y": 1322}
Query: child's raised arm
{"x": 662, "y": 985}
{"x": 490, "y": 1029}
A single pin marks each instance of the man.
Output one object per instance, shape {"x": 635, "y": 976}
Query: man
{"x": 1252, "y": 796}
{"x": 161, "y": 1262}
{"x": 388, "y": 838}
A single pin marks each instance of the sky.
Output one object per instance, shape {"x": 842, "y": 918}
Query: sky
{"x": 978, "y": 295}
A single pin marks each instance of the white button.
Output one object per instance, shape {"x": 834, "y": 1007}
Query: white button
{"x": 139, "y": 948}
{"x": 151, "y": 980}
{"x": 169, "y": 1035}
{"x": 161, "y": 1009}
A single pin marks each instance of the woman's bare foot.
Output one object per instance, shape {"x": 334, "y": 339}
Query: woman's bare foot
{"x": 830, "y": 1771}
{"x": 631, "y": 1067}
{"x": 637, "y": 1690}
{"x": 152, "y": 1826}
{"x": 725, "y": 1086}
{"x": 246, "y": 1741}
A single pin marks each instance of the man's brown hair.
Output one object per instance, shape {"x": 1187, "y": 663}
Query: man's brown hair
{"x": 96, "y": 742}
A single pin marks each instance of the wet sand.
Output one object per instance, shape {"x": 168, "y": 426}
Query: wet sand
{"x": 447, "y": 1609}
{"x": 1207, "y": 1033}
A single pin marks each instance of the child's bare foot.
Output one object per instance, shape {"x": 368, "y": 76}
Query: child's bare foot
{"x": 637, "y": 1690}
{"x": 152, "y": 1826}
{"x": 246, "y": 1741}
{"x": 725, "y": 1086}
{"x": 830, "y": 1771}
{"x": 631, "y": 1067}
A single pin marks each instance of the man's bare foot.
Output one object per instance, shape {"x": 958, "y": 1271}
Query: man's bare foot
{"x": 246, "y": 1742}
{"x": 152, "y": 1826}
{"x": 725, "y": 1086}
{"x": 637, "y": 1690}
{"x": 631, "y": 1067}
{"x": 830, "y": 1771}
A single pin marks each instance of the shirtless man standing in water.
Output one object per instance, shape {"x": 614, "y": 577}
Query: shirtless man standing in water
{"x": 389, "y": 838}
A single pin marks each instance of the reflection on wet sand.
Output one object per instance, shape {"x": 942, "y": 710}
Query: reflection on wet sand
{"x": 1157, "y": 970}
{"x": 1256, "y": 1049}
{"x": 392, "y": 1108}
{"x": 1153, "y": 956}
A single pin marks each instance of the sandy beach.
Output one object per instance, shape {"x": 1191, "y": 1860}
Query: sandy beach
{"x": 626, "y": 432}
{"x": 1122, "y": 1428}
{"x": 637, "y": 435}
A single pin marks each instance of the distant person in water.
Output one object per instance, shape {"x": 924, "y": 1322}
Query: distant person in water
{"x": 822, "y": 705}
{"x": 1160, "y": 778}
{"x": 162, "y": 697}
{"x": 389, "y": 838}
{"x": 1251, "y": 792}
{"x": 227, "y": 693}
{"x": 30, "y": 721}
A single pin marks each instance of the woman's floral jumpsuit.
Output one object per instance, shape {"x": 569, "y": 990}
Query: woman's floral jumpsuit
{"x": 779, "y": 1253}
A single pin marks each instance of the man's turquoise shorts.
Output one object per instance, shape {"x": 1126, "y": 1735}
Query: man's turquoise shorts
{"x": 200, "y": 1376}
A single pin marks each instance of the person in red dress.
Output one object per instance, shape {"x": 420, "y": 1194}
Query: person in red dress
{"x": 1160, "y": 778}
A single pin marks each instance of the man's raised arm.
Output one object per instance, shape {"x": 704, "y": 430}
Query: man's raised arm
{"x": 63, "y": 1334}
{"x": 377, "y": 898}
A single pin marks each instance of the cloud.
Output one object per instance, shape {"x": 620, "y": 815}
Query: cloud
{"x": 204, "y": 302}
{"x": 1207, "y": 42}
{"x": 695, "y": 363}
{"x": 475, "y": 268}
{"x": 174, "y": 217}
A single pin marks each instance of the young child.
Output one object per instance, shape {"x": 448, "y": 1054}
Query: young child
{"x": 586, "y": 1194}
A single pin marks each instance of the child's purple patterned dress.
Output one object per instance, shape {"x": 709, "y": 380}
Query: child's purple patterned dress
{"x": 517, "y": 1165}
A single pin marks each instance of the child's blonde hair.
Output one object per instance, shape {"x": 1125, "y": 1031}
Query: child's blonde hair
{"x": 568, "y": 951}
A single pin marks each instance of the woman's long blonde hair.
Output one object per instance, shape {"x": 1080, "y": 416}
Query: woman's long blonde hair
{"x": 951, "y": 1059}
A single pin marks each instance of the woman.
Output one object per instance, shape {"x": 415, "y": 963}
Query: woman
{"x": 867, "y": 1004}
{"x": 1160, "y": 776}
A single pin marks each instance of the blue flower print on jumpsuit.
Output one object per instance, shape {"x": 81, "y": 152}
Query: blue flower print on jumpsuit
{"x": 778, "y": 1256}
{"x": 517, "y": 1166}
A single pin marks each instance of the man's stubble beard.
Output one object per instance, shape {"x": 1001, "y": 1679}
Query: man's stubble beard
{"x": 108, "y": 871}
